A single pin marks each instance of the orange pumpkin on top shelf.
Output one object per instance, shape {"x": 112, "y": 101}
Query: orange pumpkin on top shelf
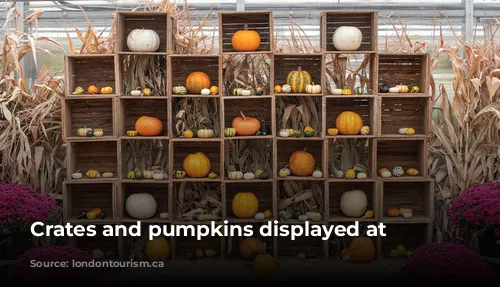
{"x": 245, "y": 125}
{"x": 245, "y": 41}
{"x": 197, "y": 81}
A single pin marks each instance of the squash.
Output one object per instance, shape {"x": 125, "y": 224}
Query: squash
{"x": 284, "y": 133}
{"x": 158, "y": 176}
{"x": 301, "y": 163}
{"x": 336, "y": 91}
{"x": 358, "y": 90}
{"x": 250, "y": 247}
{"x": 199, "y": 253}
{"x": 78, "y": 91}
{"x": 76, "y": 175}
{"x": 368, "y": 214}
{"x": 290, "y": 132}
{"x": 403, "y": 88}
{"x": 406, "y": 213}
{"x": 214, "y": 90}
{"x": 277, "y": 89}
{"x": 188, "y": 134}
{"x": 245, "y": 41}
{"x": 98, "y": 132}
{"x": 82, "y": 132}
{"x": 284, "y": 172}
{"x": 135, "y": 93}
{"x": 157, "y": 249}
{"x": 264, "y": 175}
{"x": 235, "y": 175}
{"x": 412, "y": 172}
{"x": 229, "y": 132}
{"x": 148, "y": 126}
{"x": 265, "y": 128}
{"x": 139, "y": 175}
{"x": 237, "y": 92}
{"x": 196, "y": 165}
{"x": 346, "y": 91}
{"x": 349, "y": 123}
{"x": 143, "y": 40}
{"x": 394, "y": 90}
{"x": 245, "y": 205}
{"x": 94, "y": 213}
{"x": 210, "y": 253}
{"x": 333, "y": 131}
{"x": 361, "y": 175}
{"x": 245, "y": 92}
{"x": 362, "y": 250}
{"x": 245, "y": 125}
{"x": 384, "y": 88}
{"x": 259, "y": 91}
{"x": 347, "y": 38}
{"x": 393, "y": 254}
{"x": 197, "y": 81}
{"x": 205, "y": 133}
{"x": 393, "y": 212}
{"x": 400, "y": 250}
{"x": 205, "y": 92}
{"x": 313, "y": 89}
{"x": 286, "y": 89}
{"x": 92, "y": 173}
{"x": 179, "y": 174}
{"x": 141, "y": 205}
{"x": 92, "y": 89}
{"x": 248, "y": 176}
{"x": 317, "y": 173}
{"x": 89, "y": 133}
{"x": 315, "y": 217}
{"x": 350, "y": 174}
{"x": 260, "y": 216}
{"x": 147, "y": 92}
{"x": 264, "y": 266}
{"x": 107, "y": 175}
{"x": 414, "y": 89}
{"x": 353, "y": 203}
{"x": 268, "y": 213}
{"x": 179, "y": 90}
{"x": 212, "y": 175}
{"x": 308, "y": 132}
{"x": 386, "y": 174}
{"x": 107, "y": 90}
{"x": 131, "y": 174}
{"x": 131, "y": 133}
{"x": 148, "y": 174}
{"x": 298, "y": 80}
{"x": 398, "y": 171}
{"x": 303, "y": 217}
{"x": 365, "y": 130}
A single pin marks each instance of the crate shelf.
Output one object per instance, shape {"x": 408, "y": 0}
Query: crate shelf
{"x": 288, "y": 189}
{"x": 180, "y": 66}
{"x": 264, "y": 191}
{"x": 312, "y": 63}
{"x": 79, "y": 197}
{"x": 259, "y": 21}
{"x": 158, "y": 190}
{"x": 248, "y": 156}
{"x": 288, "y": 249}
{"x": 336, "y": 191}
{"x": 195, "y": 113}
{"x": 260, "y": 109}
{"x": 364, "y": 107}
{"x": 81, "y": 72}
{"x": 144, "y": 155}
{"x": 95, "y": 113}
{"x": 184, "y": 244}
{"x": 212, "y": 150}
{"x": 340, "y": 159}
{"x": 235, "y": 73}
{"x": 83, "y": 156}
{"x": 108, "y": 245}
{"x": 339, "y": 76}
{"x": 401, "y": 112}
{"x": 131, "y": 110}
{"x": 410, "y": 236}
{"x": 192, "y": 195}
{"x": 130, "y": 66}
{"x": 314, "y": 105}
{"x": 407, "y": 154}
{"x": 286, "y": 149}
{"x": 404, "y": 69}
{"x": 237, "y": 240}
{"x": 418, "y": 196}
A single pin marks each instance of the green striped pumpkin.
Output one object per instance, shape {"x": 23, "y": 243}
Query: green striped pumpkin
{"x": 298, "y": 80}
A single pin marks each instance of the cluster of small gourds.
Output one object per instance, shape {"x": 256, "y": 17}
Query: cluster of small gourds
{"x": 200, "y": 216}
{"x": 88, "y": 132}
{"x": 385, "y": 88}
{"x": 404, "y": 212}
{"x": 398, "y": 171}
{"x": 353, "y": 173}
{"x": 258, "y": 91}
{"x": 180, "y": 174}
{"x": 284, "y": 172}
{"x": 91, "y": 173}
{"x": 182, "y": 90}
{"x": 141, "y": 92}
{"x": 347, "y": 91}
{"x": 267, "y": 214}
{"x": 297, "y": 215}
{"x": 400, "y": 251}
{"x": 138, "y": 174}
{"x": 307, "y": 132}
{"x": 93, "y": 90}
{"x": 287, "y": 89}
{"x": 199, "y": 253}
{"x": 311, "y": 254}
{"x": 201, "y": 133}
{"x": 95, "y": 213}
{"x": 239, "y": 175}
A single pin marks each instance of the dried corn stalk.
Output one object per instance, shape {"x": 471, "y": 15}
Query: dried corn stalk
{"x": 196, "y": 113}
{"x": 348, "y": 154}
{"x": 298, "y": 112}
{"x": 146, "y": 155}
{"x": 193, "y": 197}
{"x": 301, "y": 196}
{"x": 341, "y": 71}
{"x": 140, "y": 71}
{"x": 247, "y": 72}
{"x": 249, "y": 155}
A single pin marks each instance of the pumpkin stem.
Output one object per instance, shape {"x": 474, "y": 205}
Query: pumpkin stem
{"x": 243, "y": 116}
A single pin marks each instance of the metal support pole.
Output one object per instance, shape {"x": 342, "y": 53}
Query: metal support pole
{"x": 469, "y": 21}
{"x": 240, "y": 5}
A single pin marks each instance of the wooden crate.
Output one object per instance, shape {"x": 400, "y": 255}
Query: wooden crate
{"x": 315, "y": 204}
{"x": 233, "y": 243}
{"x": 180, "y": 66}
{"x": 184, "y": 244}
{"x": 109, "y": 245}
{"x": 399, "y": 112}
{"x": 340, "y": 160}
{"x": 285, "y": 148}
{"x": 259, "y": 21}
{"x": 404, "y": 69}
{"x": 86, "y": 196}
{"x": 259, "y": 108}
{"x": 201, "y": 112}
{"x": 288, "y": 249}
{"x": 366, "y": 21}
{"x": 131, "y": 109}
{"x": 236, "y": 69}
{"x": 336, "y": 190}
{"x": 236, "y": 149}
{"x": 91, "y": 113}
{"x": 185, "y": 200}
{"x": 312, "y": 63}
{"x": 130, "y": 79}
{"x": 411, "y": 153}
{"x": 417, "y": 195}
{"x": 162, "y": 23}
{"x": 338, "y": 243}
{"x": 339, "y": 69}
{"x": 315, "y": 106}
{"x": 365, "y": 107}
{"x": 86, "y": 70}
{"x": 212, "y": 150}
{"x": 101, "y": 156}
{"x": 134, "y": 247}
{"x": 144, "y": 155}
{"x": 264, "y": 191}
{"x": 158, "y": 190}
{"x": 411, "y": 236}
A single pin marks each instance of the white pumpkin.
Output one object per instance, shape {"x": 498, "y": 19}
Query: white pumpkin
{"x": 347, "y": 38}
{"x": 141, "y": 205}
{"x": 246, "y": 92}
{"x": 337, "y": 91}
{"x": 394, "y": 90}
{"x": 235, "y": 175}
{"x": 143, "y": 40}
{"x": 286, "y": 89}
{"x": 353, "y": 203}
{"x": 361, "y": 175}
{"x": 260, "y": 216}
{"x": 284, "y": 133}
{"x": 249, "y": 175}
{"x": 205, "y": 92}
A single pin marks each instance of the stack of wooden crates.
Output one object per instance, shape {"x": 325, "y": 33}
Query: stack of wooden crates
{"x": 116, "y": 113}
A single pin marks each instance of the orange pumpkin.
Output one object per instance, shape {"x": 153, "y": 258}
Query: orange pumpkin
{"x": 197, "y": 81}
{"x": 148, "y": 126}
{"x": 92, "y": 89}
{"x": 349, "y": 123}
{"x": 250, "y": 247}
{"x": 393, "y": 212}
{"x": 301, "y": 163}
{"x": 362, "y": 250}
{"x": 196, "y": 165}
{"x": 245, "y": 41}
{"x": 246, "y": 126}
{"x": 245, "y": 205}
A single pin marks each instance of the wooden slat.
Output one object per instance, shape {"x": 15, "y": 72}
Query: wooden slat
{"x": 88, "y": 196}
{"x": 138, "y": 20}
{"x": 402, "y": 112}
{"x": 98, "y": 70}
{"x": 404, "y": 153}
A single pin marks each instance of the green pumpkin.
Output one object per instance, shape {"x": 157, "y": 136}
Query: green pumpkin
{"x": 258, "y": 133}
{"x": 190, "y": 255}
{"x": 301, "y": 256}
{"x": 90, "y": 133}
{"x": 237, "y": 92}
{"x": 264, "y": 175}
{"x": 195, "y": 215}
{"x": 131, "y": 175}
{"x": 298, "y": 134}
{"x": 139, "y": 174}
{"x": 358, "y": 90}
{"x": 264, "y": 128}
{"x": 308, "y": 134}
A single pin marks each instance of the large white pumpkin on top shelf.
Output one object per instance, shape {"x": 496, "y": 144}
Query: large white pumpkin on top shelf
{"x": 353, "y": 203}
{"x": 141, "y": 205}
{"x": 143, "y": 40}
{"x": 347, "y": 38}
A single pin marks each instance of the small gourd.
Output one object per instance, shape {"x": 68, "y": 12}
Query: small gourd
{"x": 76, "y": 175}
{"x": 336, "y": 91}
{"x": 246, "y": 92}
{"x": 346, "y": 91}
{"x": 201, "y": 217}
{"x": 139, "y": 175}
{"x": 365, "y": 130}
{"x": 229, "y": 132}
{"x": 214, "y": 90}
{"x": 358, "y": 90}
{"x": 147, "y": 92}
{"x": 361, "y": 175}
{"x": 164, "y": 215}
{"x": 148, "y": 174}
{"x": 268, "y": 213}
{"x": 135, "y": 93}
{"x": 400, "y": 250}
{"x": 82, "y": 132}
{"x": 235, "y": 175}
{"x": 333, "y": 131}
{"x": 284, "y": 172}
{"x": 158, "y": 175}
{"x": 107, "y": 175}
{"x": 286, "y": 89}
{"x": 406, "y": 131}
{"x": 92, "y": 173}
{"x": 90, "y": 133}
{"x": 264, "y": 175}
{"x": 205, "y": 92}
{"x": 131, "y": 133}
{"x": 393, "y": 212}
{"x": 212, "y": 175}
{"x": 260, "y": 216}
{"x": 317, "y": 173}
{"x": 403, "y": 88}
{"x": 249, "y": 176}
{"x": 179, "y": 174}
{"x": 412, "y": 172}
{"x": 393, "y": 254}
{"x": 308, "y": 132}
{"x": 210, "y": 253}
{"x": 131, "y": 175}
{"x": 237, "y": 91}
{"x": 301, "y": 256}
{"x": 398, "y": 171}
{"x": 394, "y": 90}
{"x": 414, "y": 89}
{"x": 284, "y": 133}
{"x": 316, "y": 216}
{"x": 259, "y": 91}
{"x": 188, "y": 134}
{"x": 313, "y": 89}
{"x": 179, "y": 90}
{"x": 385, "y": 173}
{"x": 98, "y": 132}
{"x": 205, "y": 133}
{"x": 303, "y": 217}
{"x": 384, "y": 88}
{"x": 199, "y": 253}
{"x": 406, "y": 212}
{"x": 277, "y": 89}
{"x": 350, "y": 174}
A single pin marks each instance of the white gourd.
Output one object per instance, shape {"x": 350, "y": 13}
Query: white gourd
{"x": 141, "y": 205}
{"x": 347, "y": 38}
{"x": 143, "y": 40}
{"x": 354, "y": 203}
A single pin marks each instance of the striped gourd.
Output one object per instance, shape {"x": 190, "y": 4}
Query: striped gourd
{"x": 298, "y": 80}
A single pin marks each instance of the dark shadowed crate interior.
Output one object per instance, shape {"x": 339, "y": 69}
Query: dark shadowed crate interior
{"x": 186, "y": 199}
{"x": 144, "y": 155}
{"x": 334, "y": 62}
{"x": 338, "y": 188}
{"x": 94, "y": 113}
{"x": 398, "y": 69}
{"x": 88, "y": 196}
{"x": 404, "y": 153}
{"x": 365, "y": 21}
{"x": 158, "y": 190}
{"x": 134, "y": 247}
{"x": 260, "y": 22}
{"x": 338, "y": 243}
{"x": 365, "y": 155}
{"x": 233, "y": 243}
{"x": 133, "y": 109}
{"x": 243, "y": 65}
{"x": 289, "y": 249}
{"x": 362, "y": 106}
{"x": 107, "y": 244}
{"x": 188, "y": 104}
{"x": 262, "y": 190}
{"x": 101, "y": 156}
{"x": 151, "y": 21}
{"x": 284, "y": 64}
{"x": 261, "y": 109}
{"x": 261, "y": 148}
{"x": 184, "y": 244}
{"x": 132, "y": 79}
{"x": 315, "y": 204}
{"x": 411, "y": 236}
{"x": 414, "y": 195}
{"x": 404, "y": 112}
{"x": 182, "y": 66}
{"x": 287, "y": 148}
{"x": 211, "y": 149}
{"x": 91, "y": 70}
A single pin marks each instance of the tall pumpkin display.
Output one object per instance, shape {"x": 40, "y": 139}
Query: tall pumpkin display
{"x": 298, "y": 80}
{"x": 245, "y": 205}
{"x": 148, "y": 126}
{"x": 143, "y": 40}
{"x": 301, "y": 163}
{"x": 158, "y": 249}
{"x": 245, "y": 41}
{"x": 349, "y": 123}
{"x": 245, "y": 125}
{"x": 362, "y": 250}
{"x": 196, "y": 165}
{"x": 250, "y": 247}
{"x": 197, "y": 81}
